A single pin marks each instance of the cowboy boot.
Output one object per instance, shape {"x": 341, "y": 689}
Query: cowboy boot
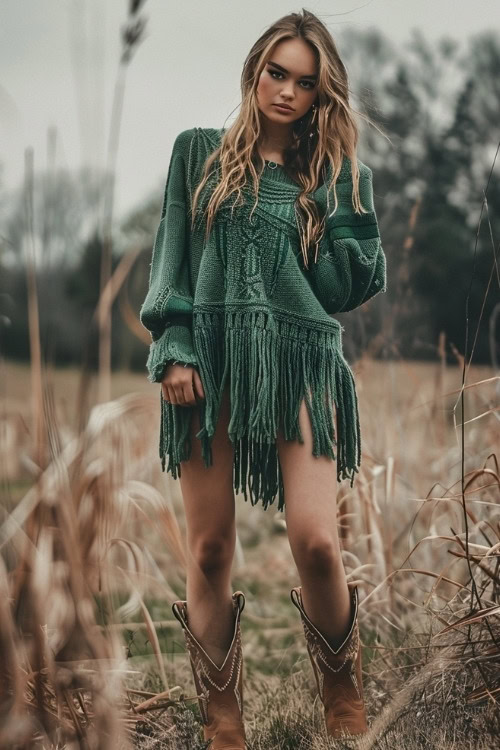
{"x": 337, "y": 672}
{"x": 219, "y": 689}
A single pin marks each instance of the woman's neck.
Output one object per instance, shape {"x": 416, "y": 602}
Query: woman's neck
{"x": 273, "y": 142}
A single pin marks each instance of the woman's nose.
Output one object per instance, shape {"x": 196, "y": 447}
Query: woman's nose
{"x": 287, "y": 91}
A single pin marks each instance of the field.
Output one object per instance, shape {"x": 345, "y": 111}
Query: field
{"x": 94, "y": 555}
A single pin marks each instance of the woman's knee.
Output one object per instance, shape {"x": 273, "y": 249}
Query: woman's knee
{"x": 213, "y": 553}
{"x": 316, "y": 552}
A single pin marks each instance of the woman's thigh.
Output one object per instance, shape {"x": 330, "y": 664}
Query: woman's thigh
{"x": 207, "y": 492}
{"x": 310, "y": 484}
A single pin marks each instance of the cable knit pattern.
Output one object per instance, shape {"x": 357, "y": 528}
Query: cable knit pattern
{"x": 243, "y": 309}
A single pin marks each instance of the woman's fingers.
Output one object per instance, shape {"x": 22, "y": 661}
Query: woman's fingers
{"x": 177, "y": 385}
{"x": 187, "y": 394}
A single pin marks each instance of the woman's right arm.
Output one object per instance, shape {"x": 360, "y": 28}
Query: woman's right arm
{"x": 167, "y": 309}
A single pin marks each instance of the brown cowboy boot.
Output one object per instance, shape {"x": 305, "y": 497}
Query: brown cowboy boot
{"x": 219, "y": 689}
{"x": 337, "y": 672}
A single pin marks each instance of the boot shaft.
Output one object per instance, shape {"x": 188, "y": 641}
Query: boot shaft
{"x": 219, "y": 689}
{"x": 337, "y": 671}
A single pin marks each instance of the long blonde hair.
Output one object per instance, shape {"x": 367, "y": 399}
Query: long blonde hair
{"x": 331, "y": 122}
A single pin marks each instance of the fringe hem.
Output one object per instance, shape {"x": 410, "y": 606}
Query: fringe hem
{"x": 273, "y": 362}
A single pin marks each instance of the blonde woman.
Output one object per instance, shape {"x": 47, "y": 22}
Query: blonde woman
{"x": 267, "y": 229}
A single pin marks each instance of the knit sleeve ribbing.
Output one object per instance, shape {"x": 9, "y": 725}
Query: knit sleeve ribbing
{"x": 351, "y": 266}
{"x": 167, "y": 309}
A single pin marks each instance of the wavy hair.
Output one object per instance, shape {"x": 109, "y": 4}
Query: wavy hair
{"x": 326, "y": 133}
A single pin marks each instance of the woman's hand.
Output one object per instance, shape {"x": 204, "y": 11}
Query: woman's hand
{"x": 181, "y": 385}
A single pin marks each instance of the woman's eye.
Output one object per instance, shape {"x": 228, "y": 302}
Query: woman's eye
{"x": 309, "y": 84}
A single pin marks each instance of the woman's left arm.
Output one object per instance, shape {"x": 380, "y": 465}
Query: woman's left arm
{"x": 351, "y": 265}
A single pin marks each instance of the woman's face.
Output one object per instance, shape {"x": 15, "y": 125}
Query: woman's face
{"x": 289, "y": 77}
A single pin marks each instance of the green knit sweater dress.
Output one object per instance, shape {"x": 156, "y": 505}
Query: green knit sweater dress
{"x": 243, "y": 309}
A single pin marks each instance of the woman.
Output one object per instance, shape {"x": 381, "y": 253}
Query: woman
{"x": 255, "y": 392}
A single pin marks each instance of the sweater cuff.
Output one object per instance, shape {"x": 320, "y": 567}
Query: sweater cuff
{"x": 175, "y": 343}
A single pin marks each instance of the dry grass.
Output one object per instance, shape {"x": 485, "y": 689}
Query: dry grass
{"x": 94, "y": 554}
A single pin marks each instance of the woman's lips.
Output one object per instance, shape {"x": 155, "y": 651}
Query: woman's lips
{"x": 282, "y": 109}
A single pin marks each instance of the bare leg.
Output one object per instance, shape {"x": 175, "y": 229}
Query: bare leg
{"x": 208, "y": 498}
{"x": 310, "y": 485}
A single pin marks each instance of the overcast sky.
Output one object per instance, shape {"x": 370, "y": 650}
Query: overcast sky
{"x": 58, "y": 62}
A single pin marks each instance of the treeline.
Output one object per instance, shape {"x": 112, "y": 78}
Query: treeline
{"x": 438, "y": 104}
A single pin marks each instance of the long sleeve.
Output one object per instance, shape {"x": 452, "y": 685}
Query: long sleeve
{"x": 351, "y": 265}
{"x": 167, "y": 309}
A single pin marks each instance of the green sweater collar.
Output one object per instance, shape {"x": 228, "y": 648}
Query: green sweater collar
{"x": 279, "y": 174}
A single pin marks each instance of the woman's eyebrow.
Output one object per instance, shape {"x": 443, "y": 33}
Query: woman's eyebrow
{"x": 284, "y": 70}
